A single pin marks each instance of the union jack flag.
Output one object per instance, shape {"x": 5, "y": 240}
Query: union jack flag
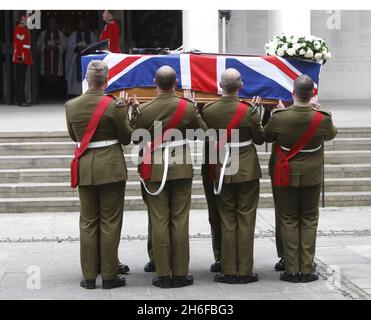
{"x": 270, "y": 77}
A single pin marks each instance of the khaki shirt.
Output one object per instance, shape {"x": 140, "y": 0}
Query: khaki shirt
{"x": 217, "y": 115}
{"x": 285, "y": 127}
{"x": 99, "y": 165}
{"x": 162, "y": 109}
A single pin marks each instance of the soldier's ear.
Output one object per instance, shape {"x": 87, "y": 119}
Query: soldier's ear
{"x": 176, "y": 82}
{"x": 241, "y": 85}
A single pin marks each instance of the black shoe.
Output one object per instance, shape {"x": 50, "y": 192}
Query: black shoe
{"x": 87, "y": 284}
{"x": 123, "y": 268}
{"x": 280, "y": 265}
{"x": 290, "y": 277}
{"x": 309, "y": 277}
{"x": 24, "y": 104}
{"x": 114, "y": 283}
{"x": 216, "y": 267}
{"x": 182, "y": 281}
{"x": 226, "y": 278}
{"x": 162, "y": 282}
{"x": 150, "y": 267}
{"x": 249, "y": 278}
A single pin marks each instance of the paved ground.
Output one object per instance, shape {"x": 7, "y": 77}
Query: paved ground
{"x": 51, "y": 117}
{"x": 47, "y": 244}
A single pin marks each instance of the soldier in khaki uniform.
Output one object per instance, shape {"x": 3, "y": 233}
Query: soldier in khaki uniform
{"x": 239, "y": 197}
{"x": 169, "y": 210}
{"x": 102, "y": 176}
{"x": 297, "y": 204}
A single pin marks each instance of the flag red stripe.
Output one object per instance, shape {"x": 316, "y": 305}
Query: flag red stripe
{"x": 284, "y": 68}
{"x": 124, "y": 63}
{"x": 203, "y": 73}
{"x": 280, "y": 65}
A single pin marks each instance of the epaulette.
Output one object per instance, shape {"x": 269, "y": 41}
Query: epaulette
{"x": 277, "y": 110}
{"x": 66, "y": 103}
{"x": 142, "y": 106}
{"x": 208, "y": 104}
{"x": 116, "y": 100}
{"x": 194, "y": 104}
{"x": 252, "y": 107}
{"x": 328, "y": 113}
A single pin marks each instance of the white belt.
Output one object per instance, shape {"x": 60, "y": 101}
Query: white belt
{"x": 305, "y": 151}
{"x": 100, "y": 144}
{"x": 26, "y": 46}
{"x": 225, "y": 161}
{"x": 166, "y": 145}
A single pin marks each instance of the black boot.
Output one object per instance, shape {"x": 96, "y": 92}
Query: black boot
{"x": 150, "y": 267}
{"x": 123, "y": 269}
{"x": 118, "y": 282}
{"x": 280, "y": 265}
{"x": 253, "y": 277}
{"x": 182, "y": 281}
{"x": 162, "y": 282}
{"x": 309, "y": 277}
{"x": 216, "y": 267}
{"x": 290, "y": 277}
{"x": 87, "y": 284}
{"x": 226, "y": 278}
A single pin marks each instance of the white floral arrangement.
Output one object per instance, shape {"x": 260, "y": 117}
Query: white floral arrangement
{"x": 305, "y": 47}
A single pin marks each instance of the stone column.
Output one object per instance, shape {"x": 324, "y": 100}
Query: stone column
{"x": 201, "y": 29}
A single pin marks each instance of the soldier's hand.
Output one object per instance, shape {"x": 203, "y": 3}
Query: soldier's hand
{"x": 134, "y": 101}
{"x": 188, "y": 94}
{"x": 280, "y": 105}
{"x": 314, "y": 102}
{"x": 256, "y": 100}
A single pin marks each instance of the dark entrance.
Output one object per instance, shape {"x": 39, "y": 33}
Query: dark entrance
{"x": 141, "y": 29}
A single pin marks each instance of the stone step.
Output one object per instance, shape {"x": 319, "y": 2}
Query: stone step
{"x": 67, "y": 147}
{"x": 63, "y": 161}
{"x": 63, "y": 189}
{"x": 71, "y": 204}
{"x": 36, "y": 136}
{"x": 54, "y": 175}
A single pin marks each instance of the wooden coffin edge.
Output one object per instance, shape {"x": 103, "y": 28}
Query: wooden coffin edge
{"x": 148, "y": 94}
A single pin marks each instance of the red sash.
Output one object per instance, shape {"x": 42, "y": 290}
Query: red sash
{"x": 146, "y": 165}
{"x": 88, "y": 135}
{"x": 233, "y": 124}
{"x": 282, "y": 172}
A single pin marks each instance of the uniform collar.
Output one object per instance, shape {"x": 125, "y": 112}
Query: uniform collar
{"x": 302, "y": 107}
{"x": 230, "y": 98}
{"x": 94, "y": 91}
{"x": 166, "y": 95}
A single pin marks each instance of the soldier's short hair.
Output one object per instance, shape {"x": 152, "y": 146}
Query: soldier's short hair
{"x": 303, "y": 87}
{"x": 96, "y": 73}
{"x": 231, "y": 80}
{"x": 165, "y": 78}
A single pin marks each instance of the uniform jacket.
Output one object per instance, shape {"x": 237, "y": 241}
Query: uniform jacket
{"x": 111, "y": 31}
{"x": 100, "y": 165}
{"x": 22, "y": 45}
{"x": 285, "y": 127}
{"x": 161, "y": 109}
{"x": 217, "y": 115}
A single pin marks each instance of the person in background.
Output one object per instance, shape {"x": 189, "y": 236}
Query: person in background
{"x": 52, "y": 44}
{"x": 111, "y": 31}
{"x": 22, "y": 58}
{"x": 76, "y": 42}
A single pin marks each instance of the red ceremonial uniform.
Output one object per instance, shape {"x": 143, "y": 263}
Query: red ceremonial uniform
{"x": 22, "y": 45}
{"x": 111, "y": 31}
